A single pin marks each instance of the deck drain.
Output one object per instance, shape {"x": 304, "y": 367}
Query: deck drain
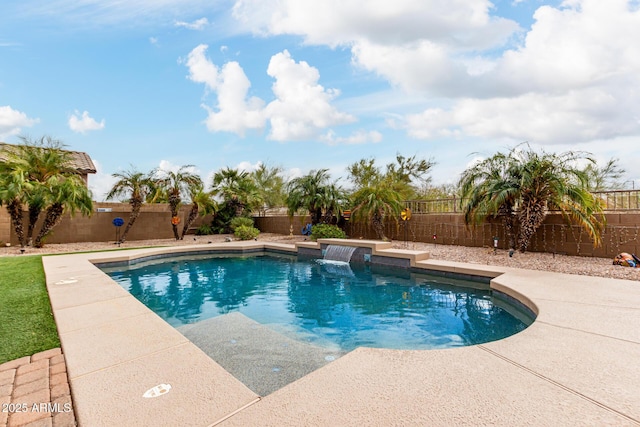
{"x": 156, "y": 391}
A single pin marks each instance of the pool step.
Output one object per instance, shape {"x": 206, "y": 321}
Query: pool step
{"x": 263, "y": 359}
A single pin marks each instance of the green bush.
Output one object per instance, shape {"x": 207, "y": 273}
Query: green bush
{"x": 244, "y": 232}
{"x": 222, "y": 219}
{"x": 241, "y": 221}
{"x": 204, "y": 230}
{"x": 326, "y": 231}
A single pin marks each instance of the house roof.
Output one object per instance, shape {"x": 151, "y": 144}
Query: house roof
{"x": 79, "y": 159}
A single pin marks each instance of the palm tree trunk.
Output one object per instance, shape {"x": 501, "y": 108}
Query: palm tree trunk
{"x": 506, "y": 212}
{"x": 51, "y": 219}
{"x": 15, "y": 212}
{"x": 173, "y": 205}
{"x": 34, "y": 214}
{"x": 531, "y": 216}
{"x": 136, "y": 204}
{"x": 327, "y": 218}
{"x": 316, "y": 215}
{"x": 193, "y": 213}
{"x": 378, "y": 226}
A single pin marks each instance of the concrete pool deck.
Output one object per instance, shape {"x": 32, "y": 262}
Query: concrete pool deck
{"x": 577, "y": 364}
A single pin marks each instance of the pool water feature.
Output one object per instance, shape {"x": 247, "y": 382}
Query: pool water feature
{"x": 339, "y": 253}
{"x": 324, "y": 304}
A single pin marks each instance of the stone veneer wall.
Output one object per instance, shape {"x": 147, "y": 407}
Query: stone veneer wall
{"x": 554, "y": 236}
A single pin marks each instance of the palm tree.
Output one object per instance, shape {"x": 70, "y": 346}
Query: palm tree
{"x": 138, "y": 186}
{"x": 35, "y": 175}
{"x": 173, "y": 185}
{"x": 376, "y": 203}
{"x": 553, "y": 182}
{"x": 67, "y": 194}
{"x": 333, "y": 199}
{"x": 237, "y": 189}
{"x": 39, "y": 161}
{"x": 201, "y": 203}
{"x": 489, "y": 189}
{"x": 532, "y": 184}
{"x": 314, "y": 193}
{"x": 12, "y": 194}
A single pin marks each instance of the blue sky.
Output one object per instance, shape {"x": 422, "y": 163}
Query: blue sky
{"x": 305, "y": 85}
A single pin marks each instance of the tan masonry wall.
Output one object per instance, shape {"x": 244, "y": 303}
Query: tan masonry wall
{"x": 281, "y": 224}
{"x": 5, "y": 226}
{"x": 622, "y": 233}
{"x": 154, "y": 222}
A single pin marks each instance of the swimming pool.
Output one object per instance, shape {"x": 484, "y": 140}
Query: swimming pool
{"x": 324, "y": 303}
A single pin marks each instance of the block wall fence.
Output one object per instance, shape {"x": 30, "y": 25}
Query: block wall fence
{"x": 554, "y": 236}
{"x": 154, "y": 222}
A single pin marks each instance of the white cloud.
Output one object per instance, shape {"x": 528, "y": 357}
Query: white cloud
{"x": 574, "y": 76}
{"x": 100, "y": 183}
{"x": 201, "y": 69}
{"x": 358, "y": 137}
{"x": 235, "y": 112}
{"x": 293, "y": 173}
{"x": 246, "y": 166}
{"x": 167, "y": 166}
{"x": 153, "y": 40}
{"x": 579, "y": 45}
{"x": 302, "y": 108}
{"x": 459, "y": 23}
{"x": 12, "y": 121}
{"x": 83, "y": 123}
{"x": 415, "y": 44}
{"x": 198, "y": 24}
{"x": 575, "y": 79}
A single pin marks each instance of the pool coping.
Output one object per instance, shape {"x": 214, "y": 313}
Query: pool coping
{"x": 577, "y": 364}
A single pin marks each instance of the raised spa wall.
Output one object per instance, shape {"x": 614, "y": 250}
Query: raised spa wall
{"x": 367, "y": 251}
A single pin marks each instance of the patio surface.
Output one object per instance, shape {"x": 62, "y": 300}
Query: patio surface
{"x": 577, "y": 364}
{"x": 34, "y": 391}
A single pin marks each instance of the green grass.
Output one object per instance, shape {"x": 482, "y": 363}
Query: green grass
{"x": 26, "y": 320}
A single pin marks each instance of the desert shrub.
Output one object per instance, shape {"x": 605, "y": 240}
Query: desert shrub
{"x": 326, "y": 231}
{"x": 241, "y": 221}
{"x": 244, "y": 232}
{"x": 204, "y": 230}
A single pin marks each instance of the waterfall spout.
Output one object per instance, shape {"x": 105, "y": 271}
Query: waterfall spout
{"x": 339, "y": 253}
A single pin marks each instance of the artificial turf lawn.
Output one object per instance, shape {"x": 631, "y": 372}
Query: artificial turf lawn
{"x": 26, "y": 320}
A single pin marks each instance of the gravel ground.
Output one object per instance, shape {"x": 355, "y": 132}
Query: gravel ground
{"x": 589, "y": 266}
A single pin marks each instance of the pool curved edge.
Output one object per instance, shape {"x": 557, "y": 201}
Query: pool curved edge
{"x": 579, "y": 354}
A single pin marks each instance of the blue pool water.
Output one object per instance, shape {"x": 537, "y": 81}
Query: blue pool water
{"x": 324, "y": 303}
